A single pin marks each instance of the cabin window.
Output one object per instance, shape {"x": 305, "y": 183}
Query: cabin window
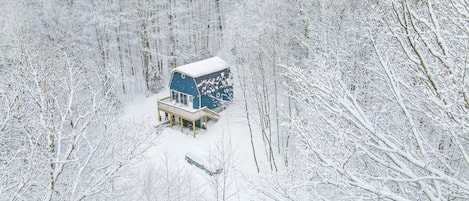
{"x": 184, "y": 99}
{"x": 175, "y": 96}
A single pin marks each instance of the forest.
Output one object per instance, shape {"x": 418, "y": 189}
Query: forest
{"x": 353, "y": 100}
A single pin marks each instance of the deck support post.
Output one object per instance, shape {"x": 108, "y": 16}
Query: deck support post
{"x": 193, "y": 127}
{"x": 180, "y": 119}
{"x": 170, "y": 120}
{"x": 159, "y": 115}
{"x": 205, "y": 123}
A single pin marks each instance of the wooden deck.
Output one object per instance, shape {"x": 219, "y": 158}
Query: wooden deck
{"x": 184, "y": 112}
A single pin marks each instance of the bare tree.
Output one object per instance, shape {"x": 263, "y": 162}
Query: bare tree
{"x": 399, "y": 136}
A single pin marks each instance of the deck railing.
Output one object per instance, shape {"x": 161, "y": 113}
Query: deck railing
{"x": 186, "y": 112}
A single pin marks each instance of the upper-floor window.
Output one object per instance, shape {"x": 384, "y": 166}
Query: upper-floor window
{"x": 184, "y": 99}
{"x": 175, "y": 96}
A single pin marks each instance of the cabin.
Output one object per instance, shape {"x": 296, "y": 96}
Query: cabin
{"x": 197, "y": 91}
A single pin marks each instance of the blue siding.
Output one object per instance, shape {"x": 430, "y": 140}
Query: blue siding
{"x": 198, "y": 123}
{"x": 186, "y": 85}
{"x": 211, "y": 101}
{"x": 227, "y": 94}
{"x": 208, "y": 90}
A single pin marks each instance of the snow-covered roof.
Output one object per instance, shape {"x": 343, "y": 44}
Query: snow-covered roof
{"x": 204, "y": 67}
{"x": 210, "y": 83}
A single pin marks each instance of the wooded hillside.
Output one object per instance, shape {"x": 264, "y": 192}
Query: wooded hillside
{"x": 365, "y": 99}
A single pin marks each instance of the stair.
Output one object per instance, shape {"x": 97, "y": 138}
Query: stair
{"x": 211, "y": 114}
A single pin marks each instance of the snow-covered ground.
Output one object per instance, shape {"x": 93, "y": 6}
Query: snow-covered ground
{"x": 163, "y": 172}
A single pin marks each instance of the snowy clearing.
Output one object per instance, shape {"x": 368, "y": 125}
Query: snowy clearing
{"x": 224, "y": 145}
